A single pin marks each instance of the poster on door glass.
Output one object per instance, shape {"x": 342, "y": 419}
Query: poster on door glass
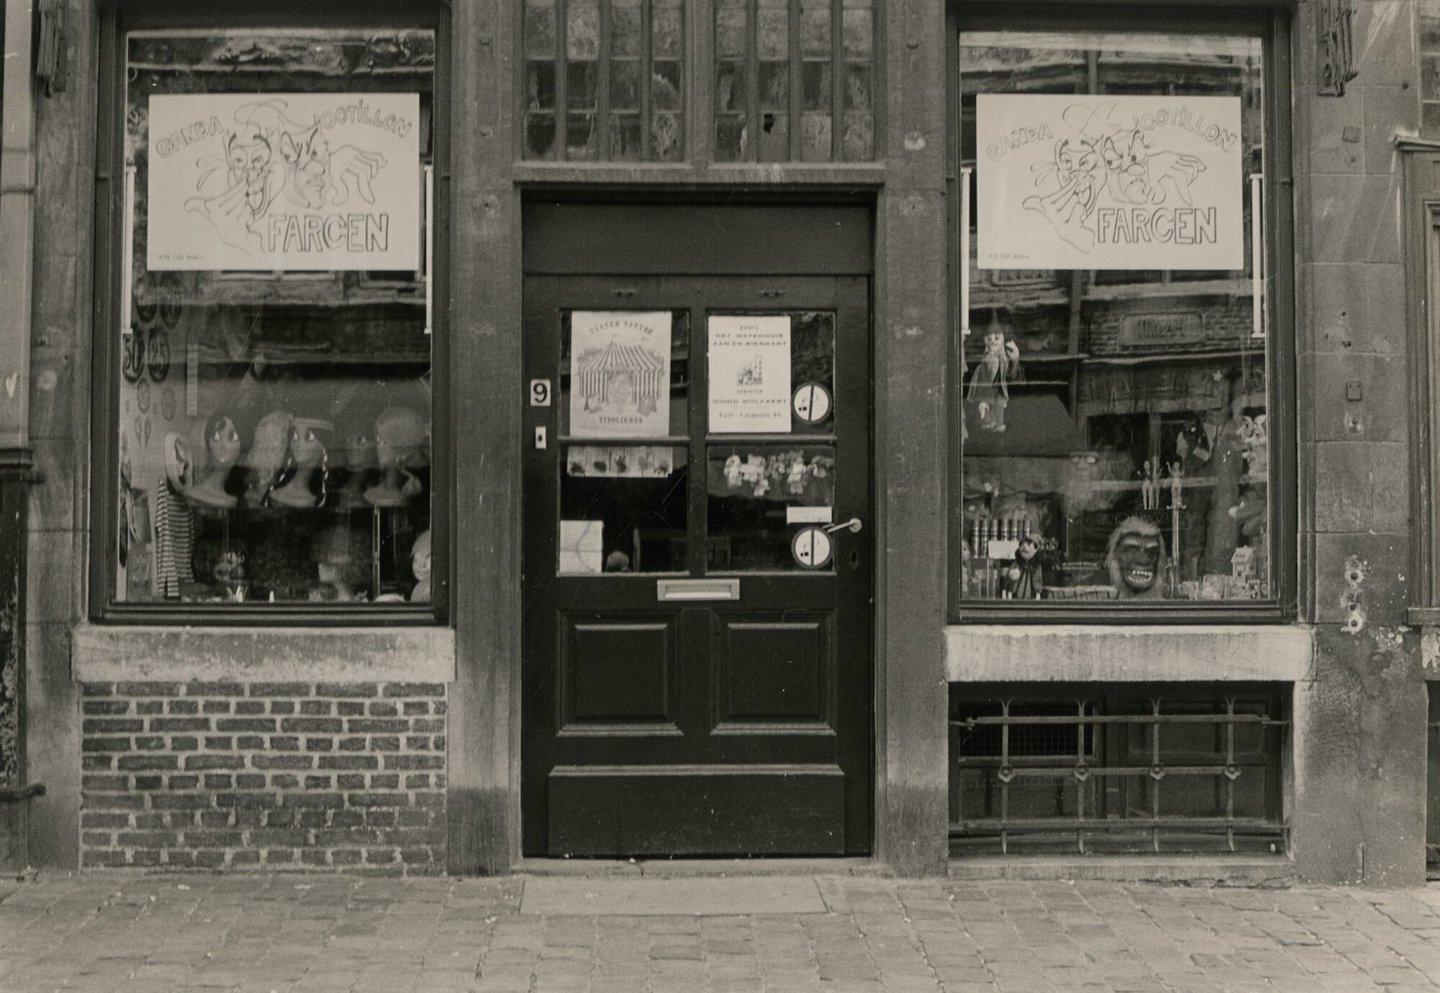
{"x": 284, "y": 181}
{"x": 1109, "y": 182}
{"x": 619, "y": 374}
{"x": 749, "y": 362}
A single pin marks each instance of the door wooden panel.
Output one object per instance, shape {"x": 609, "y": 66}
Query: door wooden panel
{"x": 690, "y": 685}
{"x": 774, "y": 668}
{"x": 620, "y": 671}
{"x": 688, "y": 810}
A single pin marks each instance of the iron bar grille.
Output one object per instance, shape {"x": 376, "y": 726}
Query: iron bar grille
{"x": 1100, "y": 768}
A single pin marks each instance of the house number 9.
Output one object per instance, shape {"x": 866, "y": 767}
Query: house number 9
{"x": 539, "y": 392}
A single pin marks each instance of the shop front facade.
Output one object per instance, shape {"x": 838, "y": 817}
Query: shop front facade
{"x": 467, "y": 435}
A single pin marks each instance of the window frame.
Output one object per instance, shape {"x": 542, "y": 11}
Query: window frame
{"x": 1269, "y": 20}
{"x": 116, "y": 19}
{"x": 1421, "y": 254}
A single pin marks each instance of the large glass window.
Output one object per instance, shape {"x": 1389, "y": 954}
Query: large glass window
{"x": 274, "y": 403}
{"x": 1115, "y": 376}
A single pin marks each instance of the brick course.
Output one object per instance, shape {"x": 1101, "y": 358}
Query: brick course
{"x": 305, "y": 777}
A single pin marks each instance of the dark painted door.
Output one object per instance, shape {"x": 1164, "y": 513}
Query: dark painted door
{"x": 697, "y": 675}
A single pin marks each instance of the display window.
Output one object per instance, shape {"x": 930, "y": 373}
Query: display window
{"x": 1116, "y": 378}
{"x": 271, "y": 371}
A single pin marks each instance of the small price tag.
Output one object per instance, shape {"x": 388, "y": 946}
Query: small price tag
{"x": 540, "y": 393}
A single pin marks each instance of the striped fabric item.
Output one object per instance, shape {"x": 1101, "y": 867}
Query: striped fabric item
{"x": 174, "y": 539}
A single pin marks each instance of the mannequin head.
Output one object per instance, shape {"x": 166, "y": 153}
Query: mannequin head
{"x": 420, "y": 557}
{"x": 399, "y": 436}
{"x": 178, "y": 463}
{"x": 272, "y": 439}
{"x": 222, "y": 441}
{"x": 342, "y": 560}
{"x": 359, "y": 452}
{"x": 305, "y": 445}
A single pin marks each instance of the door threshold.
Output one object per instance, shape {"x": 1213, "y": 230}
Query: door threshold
{"x": 661, "y": 868}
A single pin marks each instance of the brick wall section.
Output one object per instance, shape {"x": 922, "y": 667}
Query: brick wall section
{"x": 264, "y": 775}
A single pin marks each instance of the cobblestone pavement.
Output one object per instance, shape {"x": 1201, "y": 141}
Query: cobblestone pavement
{"x": 324, "y": 934}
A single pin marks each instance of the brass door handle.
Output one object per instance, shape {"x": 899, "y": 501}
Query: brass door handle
{"x": 853, "y": 525}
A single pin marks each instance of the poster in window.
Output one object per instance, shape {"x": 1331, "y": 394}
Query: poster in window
{"x": 284, "y": 181}
{"x": 619, "y": 374}
{"x": 749, "y": 359}
{"x": 1109, "y": 182}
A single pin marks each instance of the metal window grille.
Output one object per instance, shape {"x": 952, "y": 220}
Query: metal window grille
{"x": 1117, "y": 769}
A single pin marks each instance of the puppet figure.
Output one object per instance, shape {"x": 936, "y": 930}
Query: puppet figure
{"x": 1022, "y": 578}
{"x": 1135, "y": 559}
{"x": 990, "y": 382}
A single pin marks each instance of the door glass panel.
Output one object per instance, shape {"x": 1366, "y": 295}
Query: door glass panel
{"x": 623, "y": 508}
{"x": 618, "y": 363}
{"x": 760, "y": 497}
{"x": 767, "y": 378}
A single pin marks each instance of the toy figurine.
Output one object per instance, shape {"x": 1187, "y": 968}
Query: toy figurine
{"x": 1149, "y": 499}
{"x": 400, "y": 436}
{"x": 420, "y": 567}
{"x": 222, "y": 444}
{"x": 307, "y": 454}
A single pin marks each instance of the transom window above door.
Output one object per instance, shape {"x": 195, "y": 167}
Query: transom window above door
{"x": 626, "y": 80}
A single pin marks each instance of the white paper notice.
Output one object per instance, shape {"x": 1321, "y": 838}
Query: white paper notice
{"x": 619, "y": 374}
{"x": 582, "y": 547}
{"x": 299, "y": 181}
{"x": 1109, "y": 182}
{"x": 749, "y": 359}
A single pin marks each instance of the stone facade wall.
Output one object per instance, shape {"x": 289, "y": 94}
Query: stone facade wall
{"x": 264, "y": 775}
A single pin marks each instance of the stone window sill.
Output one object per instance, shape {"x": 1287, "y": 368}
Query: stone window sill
{"x": 138, "y": 653}
{"x": 1087, "y": 653}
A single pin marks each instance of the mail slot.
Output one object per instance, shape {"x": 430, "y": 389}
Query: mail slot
{"x": 675, "y": 590}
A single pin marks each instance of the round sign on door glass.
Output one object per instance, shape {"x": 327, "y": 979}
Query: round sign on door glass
{"x": 811, "y": 403}
{"x": 811, "y": 548}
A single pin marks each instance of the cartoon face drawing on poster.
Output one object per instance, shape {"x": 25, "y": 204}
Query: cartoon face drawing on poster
{"x": 295, "y": 180}
{"x": 1109, "y": 182}
{"x": 1135, "y": 174}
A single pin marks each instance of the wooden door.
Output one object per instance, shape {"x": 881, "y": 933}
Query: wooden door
{"x": 698, "y": 566}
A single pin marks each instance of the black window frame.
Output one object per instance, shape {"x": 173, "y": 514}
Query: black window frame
{"x": 1270, "y": 20}
{"x": 116, "y": 19}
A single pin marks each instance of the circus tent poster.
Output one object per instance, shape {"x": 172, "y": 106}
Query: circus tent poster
{"x": 283, "y": 181}
{"x": 1109, "y": 182}
{"x": 619, "y": 374}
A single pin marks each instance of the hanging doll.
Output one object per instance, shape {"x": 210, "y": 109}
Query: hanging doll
{"x": 994, "y": 372}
